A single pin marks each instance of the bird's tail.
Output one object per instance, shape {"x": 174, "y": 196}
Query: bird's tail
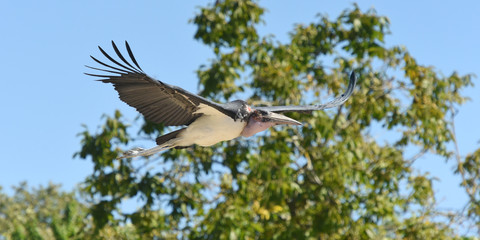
{"x": 164, "y": 142}
{"x": 141, "y": 152}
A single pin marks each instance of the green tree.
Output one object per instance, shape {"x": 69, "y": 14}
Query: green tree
{"x": 43, "y": 213}
{"x": 49, "y": 213}
{"x": 328, "y": 179}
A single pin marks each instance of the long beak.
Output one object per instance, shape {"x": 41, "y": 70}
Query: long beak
{"x": 281, "y": 119}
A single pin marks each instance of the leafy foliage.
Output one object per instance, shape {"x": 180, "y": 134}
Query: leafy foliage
{"x": 328, "y": 179}
{"x": 49, "y": 213}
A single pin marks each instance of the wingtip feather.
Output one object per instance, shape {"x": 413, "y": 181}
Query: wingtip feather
{"x": 130, "y": 53}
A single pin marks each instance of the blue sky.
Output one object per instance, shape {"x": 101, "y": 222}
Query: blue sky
{"x": 45, "y": 98}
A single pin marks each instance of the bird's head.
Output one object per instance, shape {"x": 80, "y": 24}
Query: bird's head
{"x": 260, "y": 120}
{"x": 242, "y": 109}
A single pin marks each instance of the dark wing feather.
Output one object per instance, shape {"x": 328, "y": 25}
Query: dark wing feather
{"x": 309, "y": 108}
{"x": 157, "y": 101}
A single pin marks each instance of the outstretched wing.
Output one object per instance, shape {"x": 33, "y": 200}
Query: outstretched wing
{"x": 157, "y": 101}
{"x": 309, "y": 108}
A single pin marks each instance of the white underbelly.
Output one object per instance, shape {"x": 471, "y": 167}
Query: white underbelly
{"x": 210, "y": 129}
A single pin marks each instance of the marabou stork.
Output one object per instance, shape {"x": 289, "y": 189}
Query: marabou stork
{"x": 207, "y": 122}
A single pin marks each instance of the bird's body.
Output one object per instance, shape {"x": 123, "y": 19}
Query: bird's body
{"x": 207, "y": 122}
{"x": 212, "y": 127}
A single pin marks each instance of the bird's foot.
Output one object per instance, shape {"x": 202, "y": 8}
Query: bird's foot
{"x": 135, "y": 152}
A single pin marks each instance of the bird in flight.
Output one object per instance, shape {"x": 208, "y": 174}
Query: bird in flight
{"x": 207, "y": 122}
